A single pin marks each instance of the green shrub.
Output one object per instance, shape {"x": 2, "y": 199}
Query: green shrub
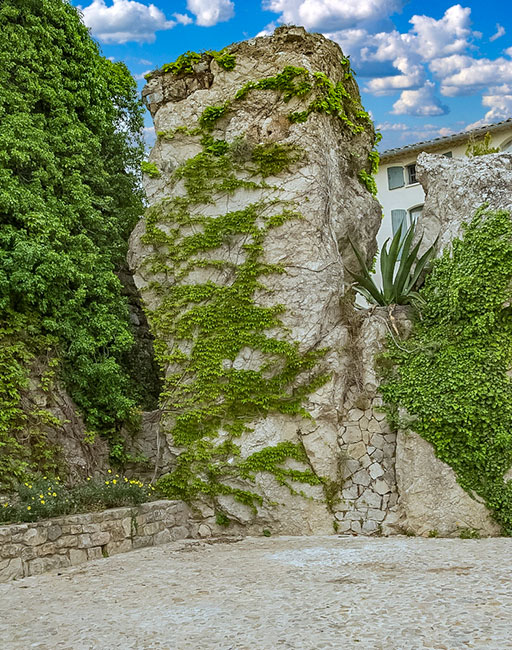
{"x": 44, "y": 497}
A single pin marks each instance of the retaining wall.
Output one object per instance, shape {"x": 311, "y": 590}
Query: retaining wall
{"x": 32, "y": 548}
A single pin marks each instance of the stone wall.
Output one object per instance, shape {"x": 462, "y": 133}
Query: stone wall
{"x": 32, "y": 548}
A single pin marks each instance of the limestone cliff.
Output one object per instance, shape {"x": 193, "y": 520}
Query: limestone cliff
{"x": 254, "y": 191}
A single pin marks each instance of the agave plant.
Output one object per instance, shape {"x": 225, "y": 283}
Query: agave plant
{"x": 398, "y": 284}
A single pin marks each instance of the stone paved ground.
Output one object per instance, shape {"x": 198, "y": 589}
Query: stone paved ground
{"x": 264, "y": 593}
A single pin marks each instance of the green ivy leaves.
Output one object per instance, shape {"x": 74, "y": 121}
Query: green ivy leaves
{"x": 451, "y": 376}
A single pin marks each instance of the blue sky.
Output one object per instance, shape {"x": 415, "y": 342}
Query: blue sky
{"x": 424, "y": 69}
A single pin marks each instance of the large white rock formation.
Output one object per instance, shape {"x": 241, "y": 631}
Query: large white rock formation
{"x": 321, "y": 181}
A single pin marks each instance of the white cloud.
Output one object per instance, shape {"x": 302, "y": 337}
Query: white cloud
{"x": 467, "y": 75}
{"x": 500, "y": 109}
{"x": 331, "y": 15}
{"x": 392, "y": 126}
{"x": 211, "y": 12}
{"x": 183, "y": 19}
{"x": 124, "y": 20}
{"x": 149, "y": 135}
{"x": 141, "y": 75}
{"x": 500, "y": 31}
{"x": 420, "y": 102}
{"x": 449, "y": 35}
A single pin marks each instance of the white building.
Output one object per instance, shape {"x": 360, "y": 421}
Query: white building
{"x": 400, "y": 195}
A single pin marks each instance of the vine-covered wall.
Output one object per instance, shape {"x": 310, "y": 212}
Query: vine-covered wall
{"x": 239, "y": 262}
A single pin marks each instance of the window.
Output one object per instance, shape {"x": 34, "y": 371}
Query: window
{"x": 507, "y": 146}
{"x": 399, "y": 218}
{"x": 395, "y": 177}
{"x": 411, "y": 174}
{"x": 414, "y": 214}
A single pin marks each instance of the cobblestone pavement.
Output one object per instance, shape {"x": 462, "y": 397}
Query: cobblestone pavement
{"x": 265, "y": 593}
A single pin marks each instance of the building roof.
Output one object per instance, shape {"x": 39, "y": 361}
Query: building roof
{"x": 443, "y": 142}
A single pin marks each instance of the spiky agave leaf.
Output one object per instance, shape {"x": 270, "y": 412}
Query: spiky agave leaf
{"x": 398, "y": 284}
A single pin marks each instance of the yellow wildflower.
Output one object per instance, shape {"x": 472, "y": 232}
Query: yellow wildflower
{"x": 109, "y": 471}
{"x": 29, "y": 507}
{"x": 54, "y": 494}
{"x": 41, "y": 496}
{"x": 107, "y": 482}
{"x": 114, "y": 481}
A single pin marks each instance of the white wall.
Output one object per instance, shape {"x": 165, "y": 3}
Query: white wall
{"x": 411, "y": 196}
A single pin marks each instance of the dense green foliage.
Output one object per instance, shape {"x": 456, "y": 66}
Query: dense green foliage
{"x": 451, "y": 375}
{"x": 401, "y": 271}
{"x": 70, "y": 154}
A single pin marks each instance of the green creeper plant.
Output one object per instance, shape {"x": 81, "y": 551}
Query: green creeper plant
{"x": 201, "y": 328}
{"x": 401, "y": 270}
{"x": 451, "y": 376}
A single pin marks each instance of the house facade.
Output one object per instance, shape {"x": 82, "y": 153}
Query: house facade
{"x": 401, "y": 195}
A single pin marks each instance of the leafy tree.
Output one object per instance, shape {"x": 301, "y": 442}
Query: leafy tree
{"x": 480, "y": 147}
{"x": 70, "y": 153}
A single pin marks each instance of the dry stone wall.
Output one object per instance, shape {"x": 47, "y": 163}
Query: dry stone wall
{"x": 33, "y": 548}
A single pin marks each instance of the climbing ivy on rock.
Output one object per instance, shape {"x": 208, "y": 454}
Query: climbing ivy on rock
{"x": 70, "y": 153}
{"x": 452, "y": 374}
{"x": 224, "y": 368}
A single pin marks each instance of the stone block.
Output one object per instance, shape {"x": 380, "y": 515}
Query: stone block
{"x": 361, "y": 478}
{"x": 124, "y": 546}
{"x": 151, "y": 529}
{"x": 67, "y": 541}
{"x": 363, "y": 423}
{"x": 354, "y": 415}
{"x": 11, "y": 569}
{"x": 84, "y": 541}
{"x": 381, "y": 487}
{"x": 141, "y": 541}
{"x": 94, "y": 553}
{"x": 43, "y": 564}
{"x": 377, "y": 455}
{"x": 204, "y": 531}
{"x": 54, "y": 531}
{"x": 375, "y": 470}
{"x": 163, "y": 537}
{"x": 35, "y": 536}
{"x": 376, "y": 515}
{"x": 374, "y": 426}
{"x": 78, "y": 555}
{"x": 370, "y": 527}
{"x": 352, "y": 434}
{"x": 9, "y": 550}
{"x": 179, "y": 532}
{"x": 91, "y": 527}
{"x": 356, "y": 450}
{"x": 349, "y": 467}
{"x": 99, "y": 539}
{"x": 355, "y": 527}
{"x": 350, "y": 492}
{"x": 365, "y": 461}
